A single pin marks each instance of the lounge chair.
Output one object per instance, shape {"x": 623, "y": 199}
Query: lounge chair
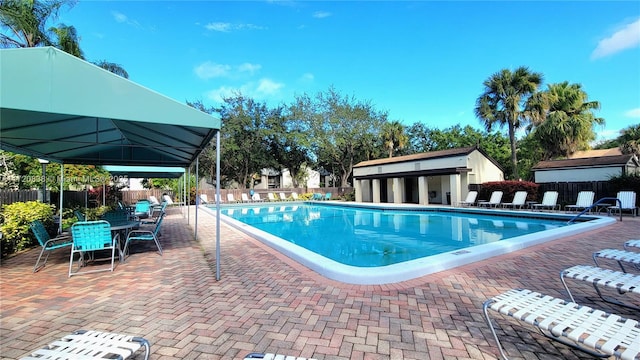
{"x": 144, "y": 235}
{"x": 294, "y": 196}
{"x": 584, "y": 201}
{"x": 581, "y": 327}
{"x": 327, "y": 196}
{"x": 230, "y": 198}
{"x": 245, "y": 198}
{"x": 271, "y": 197}
{"x": 470, "y": 199}
{"x": 153, "y": 200}
{"x": 549, "y": 201}
{"x": 256, "y": 197}
{"x": 89, "y": 237}
{"x": 269, "y": 356}
{"x": 84, "y": 344}
{"x": 616, "y": 280}
{"x": 204, "y": 199}
{"x": 494, "y": 200}
{"x": 283, "y": 197}
{"x": 628, "y": 201}
{"x": 47, "y": 243}
{"x": 79, "y": 216}
{"x": 620, "y": 256}
{"x": 519, "y": 199}
{"x": 631, "y": 244}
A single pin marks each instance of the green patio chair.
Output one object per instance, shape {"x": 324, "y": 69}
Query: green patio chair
{"x": 144, "y": 235}
{"x": 89, "y": 237}
{"x": 47, "y": 243}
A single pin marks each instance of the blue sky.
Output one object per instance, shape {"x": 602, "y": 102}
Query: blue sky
{"x": 421, "y": 61}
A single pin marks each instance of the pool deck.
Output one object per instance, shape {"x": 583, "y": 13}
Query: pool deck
{"x": 265, "y": 302}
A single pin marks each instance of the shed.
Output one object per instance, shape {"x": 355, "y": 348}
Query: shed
{"x": 436, "y": 177}
{"x": 591, "y": 166}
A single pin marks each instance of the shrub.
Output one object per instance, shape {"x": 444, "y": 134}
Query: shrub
{"x": 509, "y": 188}
{"x": 625, "y": 183}
{"x": 16, "y": 234}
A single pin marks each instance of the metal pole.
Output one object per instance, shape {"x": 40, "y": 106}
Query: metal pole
{"x": 188, "y": 197}
{"x": 61, "y": 195}
{"x": 218, "y": 205}
{"x": 197, "y": 199}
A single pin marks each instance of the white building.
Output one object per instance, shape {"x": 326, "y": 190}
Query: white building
{"x": 437, "y": 177}
{"x": 594, "y": 165}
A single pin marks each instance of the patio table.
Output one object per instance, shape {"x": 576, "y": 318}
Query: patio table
{"x": 123, "y": 228}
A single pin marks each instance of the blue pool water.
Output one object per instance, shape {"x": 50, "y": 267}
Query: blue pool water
{"x": 370, "y": 237}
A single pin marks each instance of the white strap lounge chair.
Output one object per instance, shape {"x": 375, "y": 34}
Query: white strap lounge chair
{"x": 519, "y": 199}
{"x": 256, "y": 197}
{"x": 470, "y": 200}
{"x": 245, "y": 198}
{"x": 632, "y": 244}
{"x": 581, "y": 327}
{"x": 599, "y": 277}
{"x": 92, "y": 345}
{"x": 494, "y": 201}
{"x": 231, "y": 198}
{"x": 283, "y": 197}
{"x": 269, "y": 356}
{"x": 584, "y": 201}
{"x": 271, "y": 197}
{"x": 628, "y": 201}
{"x": 549, "y": 201}
{"x": 294, "y": 196}
{"x": 621, "y": 256}
{"x": 204, "y": 199}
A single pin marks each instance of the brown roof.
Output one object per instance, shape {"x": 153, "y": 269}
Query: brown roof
{"x": 420, "y": 156}
{"x": 595, "y": 153}
{"x": 582, "y": 162}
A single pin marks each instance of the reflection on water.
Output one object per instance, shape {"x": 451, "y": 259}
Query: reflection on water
{"x": 369, "y": 237}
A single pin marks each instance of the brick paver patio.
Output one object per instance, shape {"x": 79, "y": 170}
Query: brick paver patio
{"x": 266, "y": 302}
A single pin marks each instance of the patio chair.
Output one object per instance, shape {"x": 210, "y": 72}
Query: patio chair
{"x": 47, "y": 243}
{"x": 115, "y": 216}
{"x": 519, "y": 199}
{"x": 231, "y": 198}
{"x": 599, "y": 277}
{"x": 79, "y": 216}
{"x": 549, "y": 201}
{"x": 470, "y": 200}
{"x": 166, "y": 198}
{"x": 245, "y": 198}
{"x": 271, "y": 197}
{"x": 494, "y": 200}
{"x": 584, "y": 201}
{"x": 144, "y": 235}
{"x": 270, "y": 356}
{"x": 283, "y": 197}
{"x": 628, "y": 201}
{"x": 294, "y": 196}
{"x": 204, "y": 199}
{"x": 84, "y": 344}
{"x": 327, "y": 196}
{"x": 620, "y": 256}
{"x": 583, "y": 328}
{"x": 256, "y": 197}
{"x": 142, "y": 209}
{"x": 89, "y": 237}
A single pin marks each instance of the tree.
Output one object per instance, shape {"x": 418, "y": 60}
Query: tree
{"x": 628, "y": 141}
{"x": 68, "y": 40}
{"x": 24, "y": 22}
{"x": 563, "y": 119}
{"x": 112, "y": 67}
{"x": 394, "y": 136}
{"x": 502, "y": 102}
{"x": 341, "y": 128}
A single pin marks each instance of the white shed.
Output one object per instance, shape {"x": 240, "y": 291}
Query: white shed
{"x": 586, "y": 168}
{"x": 436, "y": 177}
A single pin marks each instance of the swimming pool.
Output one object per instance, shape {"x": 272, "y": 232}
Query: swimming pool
{"x": 375, "y": 244}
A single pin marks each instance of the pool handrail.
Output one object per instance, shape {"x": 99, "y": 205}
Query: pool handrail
{"x": 595, "y": 204}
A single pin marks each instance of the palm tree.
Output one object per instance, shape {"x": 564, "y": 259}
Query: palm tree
{"x": 503, "y": 100}
{"x": 563, "y": 119}
{"x": 24, "y": 22}
{"x": 394, "y": 136}
{"x": 68, "y": 40}
{"x": 112, "y": 67}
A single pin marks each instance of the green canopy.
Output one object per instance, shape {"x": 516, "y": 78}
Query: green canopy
{"x": 58, "y": 107}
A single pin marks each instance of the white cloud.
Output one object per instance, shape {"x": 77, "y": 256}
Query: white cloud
{"x": 321, "y": 14}
{"x": 268, "y": 87}
{"x": 228, "y": 27}
{"x": 250, "y": 68}
{"x": 124, "y": 19}
{"x": 262, "y": 90}
{"x": 307, "y": 77}
{"x": 210, "y": 70}
{"x": 625, "y": 38}
{"x": 633, "y": 113}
